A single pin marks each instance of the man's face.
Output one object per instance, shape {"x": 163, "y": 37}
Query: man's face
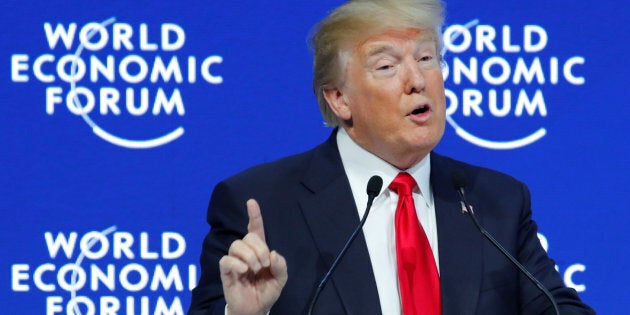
{"x": 392, "y": 101}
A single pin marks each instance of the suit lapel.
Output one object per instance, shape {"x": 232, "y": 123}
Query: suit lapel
{"x": 331, "y": 215}
{"x": 459, "y": 242}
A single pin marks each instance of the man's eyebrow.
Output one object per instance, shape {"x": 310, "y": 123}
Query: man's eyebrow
{"x": 379, "y": 49}
{"x": 383, "y": 48}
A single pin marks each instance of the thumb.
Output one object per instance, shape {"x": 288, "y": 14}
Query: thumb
{"x": 278, "y": 268}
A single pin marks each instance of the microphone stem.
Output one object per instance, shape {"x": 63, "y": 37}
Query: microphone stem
{"x": 343, "y": 252}
{"x": 506, "y": 253}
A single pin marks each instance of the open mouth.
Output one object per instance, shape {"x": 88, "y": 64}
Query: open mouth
{"x": 420, "y": 110}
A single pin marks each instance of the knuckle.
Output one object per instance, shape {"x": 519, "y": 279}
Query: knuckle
{"x": 255, "y": 242}
{"x": 235, "y": 247}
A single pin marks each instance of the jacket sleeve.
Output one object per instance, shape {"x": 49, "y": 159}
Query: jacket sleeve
{"x": 227, "y": 217}
{"x": 532, "y": 255}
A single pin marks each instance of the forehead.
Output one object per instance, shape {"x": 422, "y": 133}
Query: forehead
{"x": 393, "y": 38}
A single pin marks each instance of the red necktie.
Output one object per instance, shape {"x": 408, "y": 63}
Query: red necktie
{"x": 417, "y": 274}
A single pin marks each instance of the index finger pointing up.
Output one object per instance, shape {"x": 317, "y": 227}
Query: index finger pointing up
{"x": 255, "y": 219}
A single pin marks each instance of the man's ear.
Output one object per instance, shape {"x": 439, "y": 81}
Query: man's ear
{"x": 338, "y": 103}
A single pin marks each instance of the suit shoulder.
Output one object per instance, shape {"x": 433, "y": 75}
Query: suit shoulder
{"x": 266, "y": 173}
{"x": 474, "y": 173}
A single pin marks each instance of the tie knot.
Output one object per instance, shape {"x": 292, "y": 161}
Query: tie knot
{"x": 403, "y": 184}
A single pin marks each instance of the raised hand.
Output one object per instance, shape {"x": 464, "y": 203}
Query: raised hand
{"x": 252, "y": 276}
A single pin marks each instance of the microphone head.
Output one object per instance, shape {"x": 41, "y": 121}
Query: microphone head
{"x": 374, "y": 186}
{"x": 459, "y": 179}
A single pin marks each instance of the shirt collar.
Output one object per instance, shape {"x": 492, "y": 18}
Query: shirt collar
{"x": 361, "y": 165}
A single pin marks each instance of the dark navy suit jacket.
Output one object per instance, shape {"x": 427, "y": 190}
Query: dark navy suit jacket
{"x": 309, "y": 213}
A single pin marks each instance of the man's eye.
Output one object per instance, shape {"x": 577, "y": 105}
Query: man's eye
{"x": 385, "y": 67}
{"x": 426, "y": 58}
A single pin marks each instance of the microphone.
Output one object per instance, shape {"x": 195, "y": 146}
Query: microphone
{"x": 373, "y": 188}
{"x": 459, "y": 181}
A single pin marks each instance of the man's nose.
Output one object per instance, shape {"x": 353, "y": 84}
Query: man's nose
{"x": 415, "y": 82}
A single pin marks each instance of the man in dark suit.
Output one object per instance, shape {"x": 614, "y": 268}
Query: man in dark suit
{"x": 378, "y": 81}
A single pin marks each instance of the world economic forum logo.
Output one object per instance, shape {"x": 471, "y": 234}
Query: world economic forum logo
{"x": 497, "y": 78}
{"x": 108, "y": 272}
{"x": 130, "y": 72}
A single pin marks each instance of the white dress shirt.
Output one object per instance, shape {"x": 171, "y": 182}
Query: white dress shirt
{"x": 379, "y": 229}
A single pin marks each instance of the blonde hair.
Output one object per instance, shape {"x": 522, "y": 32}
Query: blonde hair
{"x": 356, "y": 21}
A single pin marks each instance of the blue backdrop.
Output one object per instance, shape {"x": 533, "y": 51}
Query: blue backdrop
{"x": 104, "y": 194}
